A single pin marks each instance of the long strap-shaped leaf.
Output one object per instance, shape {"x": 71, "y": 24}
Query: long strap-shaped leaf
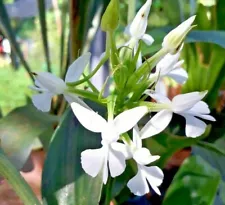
{"x": 64, "y": 181}
{"x": 5, "y": 26}
{"x": 42, "y": 18}
{"x": 9, "y": 172}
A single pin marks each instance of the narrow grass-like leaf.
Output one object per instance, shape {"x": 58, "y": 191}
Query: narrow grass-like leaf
{"x": 6, "y": 28}
{"x": 23, "y": 190}
{"x": 44, "y": 31}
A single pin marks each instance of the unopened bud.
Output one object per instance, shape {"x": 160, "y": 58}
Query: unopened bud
{"x": 175, "y": 38}
{"x": 139, "y": 24}
{"x": 110, "y": 19}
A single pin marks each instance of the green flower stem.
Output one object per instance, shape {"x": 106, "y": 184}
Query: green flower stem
{"x": 153, "y": 107}
{"x": 114, "y": 52}
{"x": 146, "y": 67}
{"x": 126, "y": 139}
{"x": 100, "y": 64}
{"x": 9, "y": 172}
{"x": 88, "y": 95}
{"x": 108, "y": 196}
{"x": 94, "y": 89}
{"x": 111, "y": 106}
{"x": 131, "y": 10}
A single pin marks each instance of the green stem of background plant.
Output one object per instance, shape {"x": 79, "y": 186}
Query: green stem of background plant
{"x": 146, "y": 67}
{"x": 9, "y": 172}
{"x": 88, "y": 95}
{"x": 131, "y": 10}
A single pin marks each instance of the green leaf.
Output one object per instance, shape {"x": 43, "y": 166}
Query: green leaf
{"x": 211, "y": 147}
{"x": 212, "y": 36}
{"x": 192, "y": 182}
{"x": 44, "y": 31}
{"x": 222, "y": 192}
{"x": 166, "y": 144}
{"x": 216, "y": 160}
{"x": 19, "y": 129}
{"x": 64, "y": 181}
{"x": 6, "y": 28}
{"x": 220, "y": 8}
{"x": 22, "y": 189}
{"x": 216, "y": 37}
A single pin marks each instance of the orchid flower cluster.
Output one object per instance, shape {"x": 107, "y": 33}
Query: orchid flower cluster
{"x": 134, "y": 81}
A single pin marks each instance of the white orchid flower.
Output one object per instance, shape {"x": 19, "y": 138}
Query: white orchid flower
{"x": 169, "y": 66}
{"x": 175, "y": 37}
{"x": 153, "y": 175}
{"x": 50, "y": 85}
{"x": 112, "y": 154}
{"x": 136, "y": 30}
{"x": 187, "y": 105}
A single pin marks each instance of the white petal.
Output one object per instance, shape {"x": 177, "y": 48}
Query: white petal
{"x": 160, "y": 87}
{"x": 186, "y": 101}
{"x": 88, "y": 118}
{"x": 105, "y": 166}
{"x": 37, "y": 88}
{"x": 43, "y": 101}
{"x": 194, "y": 127}
{"x": 109, "y": 133}
{"x": 207, "y": 117}
{"x": 124, "y": 149}
{"x": 200, "y": 107}
{"x": 179, "y": 64}
{"x": 71, "y": 97}
{"x": 154, "y": 176}
{"x": 50, "y": 82}
{"x": 158, "y": 97}
{"x": 156, "y": 124}
{"x": 143, "y": 156}
{"x": 38, "y": 84}
{"x": 139, "y": 61}
{"x": 179, "y": 75}
{"x": 129, "y": 118}
{"x": 92, "y": 161}
{"x": 138, "y": 184}
{"x": 77, "y": 68}
{"x": 167, "y": 63}
{"x": 105, "y": 171}
{"x": 147, "y": 39}
{"x": 117, "y": 163}
{"x": 136, "y": 137}
{"x": 139, "y": 24}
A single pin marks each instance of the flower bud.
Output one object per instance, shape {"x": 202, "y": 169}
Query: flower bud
{"x": 174, "y": 38}
{"x": 110, "y": 18}
{"x": 139, "y": 24}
